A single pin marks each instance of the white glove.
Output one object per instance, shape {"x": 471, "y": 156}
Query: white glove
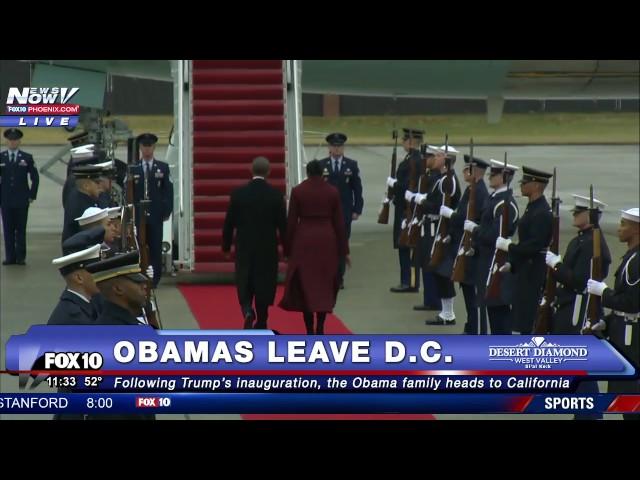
{"x": 598, "y": 327}
{"x": 150, "y": 272}
{"x": 503, "y": 244}
{"x": 391, "y": 182}
{"x": 552, "y": 259}
{"x": 446, "y": 211}
{"x": 505, "y": 268}
{"x": 470, "y": 226}
{"x": 409, "y": 195}
{"x": 595, "y": 287}
{"x": 419, "y": 198}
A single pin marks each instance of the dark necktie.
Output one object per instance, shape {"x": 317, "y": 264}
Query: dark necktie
{"x": 335, "y": 166}
{"x": 13, "y": 157}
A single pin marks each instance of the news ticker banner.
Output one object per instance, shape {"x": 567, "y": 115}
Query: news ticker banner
{"x": 141, "y": 359}
{"x": 308, "y": 403}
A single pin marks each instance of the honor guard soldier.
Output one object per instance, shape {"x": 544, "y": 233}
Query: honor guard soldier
{"x": 344, "y": 174}
{"x": 429, "y": 221}
{"x": 527, "y": 257}
{"x": 123, "y": 288}
{"x": 431, "y": 204}
{"x": 76, "y": 306}
{"x": 83, "y": 156}
{"x": 473, "y": 172}
{"x": 152, "y": 182}
{"x": 624, "y": 301}
{"x": 85, "y": 195}
{"x": 484, "y": 236}
{"x": 15, "y": 196}
{"x": 411, "y": 141}
{"x": 93, "y": 217}
{"x": 574, "y": 269}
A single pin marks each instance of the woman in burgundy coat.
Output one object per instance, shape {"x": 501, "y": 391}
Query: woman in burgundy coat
{"x": 315, "y": 241}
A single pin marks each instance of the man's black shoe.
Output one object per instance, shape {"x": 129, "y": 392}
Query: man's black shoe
{"x": 440, "y": 321}
{"x": 7, "y": 262}
{"x": 249, "y": 318}
{"x": 431, "y": 308}
{"x": 21, "y": 262}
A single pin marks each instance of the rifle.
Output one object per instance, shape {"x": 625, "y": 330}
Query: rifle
{"x": 383, "y": 215}
{"x": 407, "y": 237}
{"x": 594, "y": 302}
{"x": 128, "y": 238}
{"x": 542, "y": 324}
{"x": 494, "y": 280}
{"x": 465, "y": 248}
{"x": 152, "y": 315}
{"x": 447, "y": 188}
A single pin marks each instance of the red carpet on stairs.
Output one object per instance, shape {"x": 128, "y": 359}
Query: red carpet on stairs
{"x": 215, "y": 307}
{"x": 238, "y": 114}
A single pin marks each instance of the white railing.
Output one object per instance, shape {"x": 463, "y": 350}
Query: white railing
{"x": 293, "y": 123}
{"x": 183, "y": 119}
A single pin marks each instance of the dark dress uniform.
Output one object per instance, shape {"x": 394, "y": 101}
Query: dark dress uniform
{"x": 257, "y": 212}
{"x": 113, "y": 314}
{"x": 430, "y": 297}
{"x": 347, "y": 181}
{"x": 484, "y": 237}
{"x": 160, "y": 191}
{"x": 72, "y": 310}
{"x": 468, "y": 284}
{"x": 572, "y": 274}
{"x": 315, "y": 241}
{"x": 622, "y": 323}
{"x": 408, "y": 276}
{"x": 431, "y": 206}
{"x": 527, "y": 259}
{"x": 346, "y": 178}
{"x": 15, "y": 196}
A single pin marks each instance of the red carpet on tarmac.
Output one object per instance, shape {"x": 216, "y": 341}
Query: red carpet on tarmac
{"x": 215, "y": 307}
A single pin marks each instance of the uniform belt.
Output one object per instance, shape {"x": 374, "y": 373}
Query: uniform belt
{"x": 433, "y": 217}
{"x": 629, "y": 317}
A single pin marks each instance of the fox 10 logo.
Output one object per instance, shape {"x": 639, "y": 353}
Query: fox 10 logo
{"x": 41, "y": 107}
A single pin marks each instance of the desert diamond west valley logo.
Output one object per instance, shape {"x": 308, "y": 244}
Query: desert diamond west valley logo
{"x": 538, "y": 353}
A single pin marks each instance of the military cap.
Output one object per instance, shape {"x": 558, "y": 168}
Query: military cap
{"x": 87, "y": 171}
{"x": 450, "y": 151}
{"x": 78, "y": 139}
{"x": 582, "y": 203}
{"x": 632, "y": 214}
{"x": 532, "y": 175}
{"x": 412, "y": 133}
{"x": 114, "y": 212}
{"x": 125, "y": 265}
{"x": 92, "y": 215}
{"x": 12, "y": 134}
{"x": 77, "y": 260}
{"x": 337, "y": 139}
{"x": 147, "y": 139}
{"x": 477, "y": 162}
{"x": 83, "y": 239}
{"x": 498, "y": 167}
